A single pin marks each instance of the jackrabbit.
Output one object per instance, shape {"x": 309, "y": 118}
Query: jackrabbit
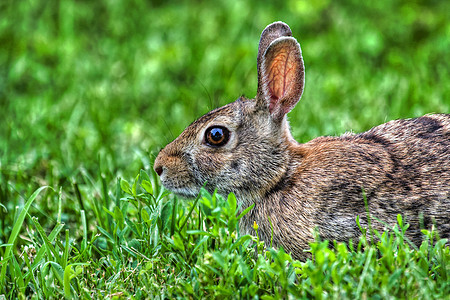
{"x": 245, "y": 147}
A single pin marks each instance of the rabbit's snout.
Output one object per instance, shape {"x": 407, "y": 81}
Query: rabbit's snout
{"x": 167, "y": 161}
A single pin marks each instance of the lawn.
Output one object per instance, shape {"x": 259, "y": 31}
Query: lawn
{"x": 91, "y": 90}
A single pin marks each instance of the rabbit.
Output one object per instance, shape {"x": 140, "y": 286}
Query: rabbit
{"x": 246, "y": 148}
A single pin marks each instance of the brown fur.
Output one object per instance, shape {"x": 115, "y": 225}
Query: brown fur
{"x": 403, "y": 166}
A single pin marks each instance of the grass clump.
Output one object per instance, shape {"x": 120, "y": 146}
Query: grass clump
{"x": 146, "y": 243}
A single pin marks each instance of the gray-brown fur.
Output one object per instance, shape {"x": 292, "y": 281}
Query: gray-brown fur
{"x": 402, "y": 166}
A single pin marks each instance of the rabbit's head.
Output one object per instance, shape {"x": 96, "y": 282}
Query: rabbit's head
{"x": 242, "y": 147}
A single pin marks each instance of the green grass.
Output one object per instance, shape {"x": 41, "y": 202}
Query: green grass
{"x": 153, "y": 246}
{"x": 90, "y": 90}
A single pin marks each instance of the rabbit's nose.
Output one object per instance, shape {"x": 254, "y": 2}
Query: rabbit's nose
{"x": 159, "y": 165}
{"x": 158, "y": 170}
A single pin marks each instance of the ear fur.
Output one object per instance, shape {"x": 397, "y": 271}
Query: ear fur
{"x": 281, "y": 77}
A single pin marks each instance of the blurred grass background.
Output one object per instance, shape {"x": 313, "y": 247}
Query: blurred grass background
{"x": 93, "y": 89}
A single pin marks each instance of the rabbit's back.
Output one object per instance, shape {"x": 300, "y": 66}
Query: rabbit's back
{"x": 419, "y": 148}
{"x": 419, "y": 156}
{"x": 425, "y": 135}
{"x": 417, "y": 179}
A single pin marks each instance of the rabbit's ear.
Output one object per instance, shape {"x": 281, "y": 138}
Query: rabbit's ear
{"x": 281, "y": 77}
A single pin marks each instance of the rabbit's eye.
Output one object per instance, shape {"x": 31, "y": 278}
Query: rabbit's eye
{"x": 216, "y": 136}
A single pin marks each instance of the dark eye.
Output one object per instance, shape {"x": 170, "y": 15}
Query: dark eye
{"x": 217, "y": 136}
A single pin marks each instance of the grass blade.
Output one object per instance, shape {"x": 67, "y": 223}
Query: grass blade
{"x": 15, "y": 233}
{"x": 190, "y": 211}
{"x": 47, "y": 242}
{"x": 41, "y": 251}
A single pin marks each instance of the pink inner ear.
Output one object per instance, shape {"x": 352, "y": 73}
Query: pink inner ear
{"x": 280, "y": 75}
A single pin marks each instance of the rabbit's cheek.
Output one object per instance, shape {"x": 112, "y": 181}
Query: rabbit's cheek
{"x": 209, "y": 165}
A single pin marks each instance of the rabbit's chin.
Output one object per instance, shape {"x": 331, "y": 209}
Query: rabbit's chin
{"x": 184, "y": 192}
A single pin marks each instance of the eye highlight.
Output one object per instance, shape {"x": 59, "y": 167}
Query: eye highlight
{"x": 217, "y": 136}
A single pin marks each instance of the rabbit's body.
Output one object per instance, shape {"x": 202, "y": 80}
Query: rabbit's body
{"x": 401, "y": 172}
{"x": 245, "y": 147}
